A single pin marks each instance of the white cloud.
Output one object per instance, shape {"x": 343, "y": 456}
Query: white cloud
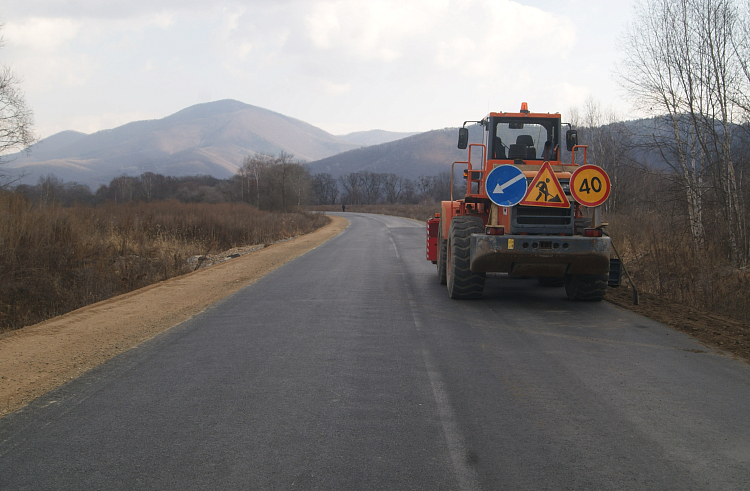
{"x": 404, "y": 65}
{"x": 41, "y": 34}
{"x": 164, "y": 20}
{"x": 99, "y": 9}
{"x": 48, "y": 73}
{"x": 371, "y": 30}
{"x": 451, "y": 53}
{"x": 323, "y": 25}
{"x": 334, "y": 88}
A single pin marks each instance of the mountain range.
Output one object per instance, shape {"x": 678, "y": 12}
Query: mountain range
{"x": 211, "y": 138}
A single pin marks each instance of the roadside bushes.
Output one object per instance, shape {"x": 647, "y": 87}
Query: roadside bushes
{"x": 54, "y": 259}
{"x": 658, "y": 252}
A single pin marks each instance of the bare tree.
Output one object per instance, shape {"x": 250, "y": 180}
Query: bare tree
{"x": 610, "y": 144}
{"x": 325, "y": 189}
{"x": 741, "y": 47}
{"x": 372, "y": 187}
{"x": 125, "y": 187}
{"x": 409, "y": 194}
{"x": 393, "y": 186}
{"x": 253, "y": 166}
{"x": 424, "y": 185}
{"x": 353, "y": 185}
{"x": 299, "y": 179}
{"x": 150, "y": 185}
{"x": 682, "y": 66}
{"x": 245, "y": 176}
{"x": 280, "y": 182}
{"x": 16, "y": 119}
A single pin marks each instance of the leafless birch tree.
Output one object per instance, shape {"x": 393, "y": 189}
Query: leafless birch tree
{"x": 682, "y": 67}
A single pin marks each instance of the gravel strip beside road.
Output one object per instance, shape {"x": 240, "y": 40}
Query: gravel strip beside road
{"x": 39, "y": 358}
{"x": 715, "y": 331}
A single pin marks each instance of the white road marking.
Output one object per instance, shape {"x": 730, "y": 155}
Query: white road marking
{"x": 466, "y": 476}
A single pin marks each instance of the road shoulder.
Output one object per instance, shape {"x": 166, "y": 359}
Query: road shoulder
{"x": 717, "y": 332}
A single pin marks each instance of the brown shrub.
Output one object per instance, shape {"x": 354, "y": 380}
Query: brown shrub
{"x": 662, "y": 261}
{"x": 54, "y": 260}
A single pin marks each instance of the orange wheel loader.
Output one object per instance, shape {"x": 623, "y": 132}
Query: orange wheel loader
{"x": 525, "y": 212}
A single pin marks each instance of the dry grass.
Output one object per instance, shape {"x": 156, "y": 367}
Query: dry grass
{"x": 54, "y": 260}
{"x": 662, "y": 262}
{"x": 417, "y": 212}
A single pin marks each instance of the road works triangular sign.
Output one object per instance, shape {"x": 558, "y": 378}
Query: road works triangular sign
{"x": 545, "y": 190}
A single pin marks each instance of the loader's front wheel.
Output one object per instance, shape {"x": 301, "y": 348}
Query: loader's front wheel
{"x": 591, "y": 287}
{"x": 463, "y": 284}
{"x": 442, "y": 253}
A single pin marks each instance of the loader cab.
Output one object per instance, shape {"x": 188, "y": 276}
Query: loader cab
{"x": 525, "y": 138}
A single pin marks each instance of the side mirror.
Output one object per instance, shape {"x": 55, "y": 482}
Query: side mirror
{"x": 463, "y": 138}
{"x": 571, "y": 139}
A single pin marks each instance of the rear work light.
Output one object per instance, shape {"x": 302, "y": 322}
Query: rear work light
{"x": 592, "y": 232}
{"x": 494, "y": 230}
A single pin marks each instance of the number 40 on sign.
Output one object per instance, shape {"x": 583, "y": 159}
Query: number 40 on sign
{"x": 589, "y": 185}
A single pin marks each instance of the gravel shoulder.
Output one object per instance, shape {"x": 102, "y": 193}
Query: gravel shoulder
{"x": 716, "y": 332}
{"x": 39, "y": 358}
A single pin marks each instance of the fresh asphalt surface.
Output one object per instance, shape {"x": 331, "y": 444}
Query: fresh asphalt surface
{"x": 350, "y": 369}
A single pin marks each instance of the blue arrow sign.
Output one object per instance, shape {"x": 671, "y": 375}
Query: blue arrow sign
{"x": 506, "y": 185}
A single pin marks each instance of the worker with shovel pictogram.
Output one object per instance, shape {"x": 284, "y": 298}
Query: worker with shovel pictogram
{"x": 547, "y": 190}
{"x": 542, "y": 186}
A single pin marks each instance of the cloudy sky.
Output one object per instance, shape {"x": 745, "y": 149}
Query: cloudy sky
{"x": 342, "y": 65}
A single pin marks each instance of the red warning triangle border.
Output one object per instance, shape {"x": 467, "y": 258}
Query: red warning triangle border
{"x": 555, "y": 184}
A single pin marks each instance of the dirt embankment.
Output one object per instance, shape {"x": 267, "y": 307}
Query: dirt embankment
{"x": 38, "y": 358}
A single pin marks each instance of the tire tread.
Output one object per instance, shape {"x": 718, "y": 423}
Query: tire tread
{"x": 586, "y": 287}
{"x": 463, "y": 284}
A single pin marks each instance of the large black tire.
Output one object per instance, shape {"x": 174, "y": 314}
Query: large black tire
{"x": 442, "y": 254}
{"x": 551, "y": 281}
{"x": 463, "y": 284}
{"x": 590, "y": 287}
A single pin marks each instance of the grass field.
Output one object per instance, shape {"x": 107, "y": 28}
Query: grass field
{"x": 54, "y": 259}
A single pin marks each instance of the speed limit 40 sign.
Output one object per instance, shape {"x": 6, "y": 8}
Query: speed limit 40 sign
{"x": 589, "y": 185}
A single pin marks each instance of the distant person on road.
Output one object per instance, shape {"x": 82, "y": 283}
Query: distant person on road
{"x": 343, "y": 207}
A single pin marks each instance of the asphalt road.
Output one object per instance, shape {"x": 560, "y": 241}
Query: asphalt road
{"x": 349, "y": 368}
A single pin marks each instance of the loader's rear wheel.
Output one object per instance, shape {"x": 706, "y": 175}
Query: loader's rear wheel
{"x": 591, "y": 287}
{"x": 442, "y": 253}
{"x": 551, "y": 281}
{"x": 462, "y": 283}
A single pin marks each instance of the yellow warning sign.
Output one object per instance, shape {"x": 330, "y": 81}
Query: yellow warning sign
{"x": 545, "y": 190}
{"x": 590, "y": 185}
